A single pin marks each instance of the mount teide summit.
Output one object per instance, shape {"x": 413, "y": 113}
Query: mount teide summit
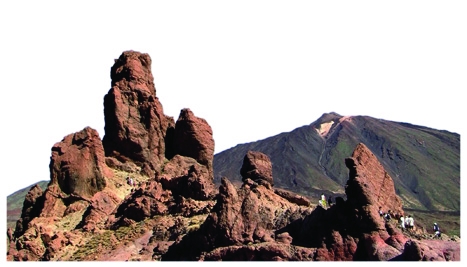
{"x": 92, "y": 211}
{"x": 424, "y": 162}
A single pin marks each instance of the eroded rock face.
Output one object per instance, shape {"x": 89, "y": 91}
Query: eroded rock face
{"x": 30, "y": 210}
{"x": 352, "y": 229}
{"x": 241, "y": 217}
{"x": 136, "y": 128}
{"x": 184, "y": 176}
{"x": 257, "y": 166}
{"x": 370, "y": 187}
{"x": 77, "y": 164}
{"x": 184, "y": 188}
{"x": 194, "y": 139}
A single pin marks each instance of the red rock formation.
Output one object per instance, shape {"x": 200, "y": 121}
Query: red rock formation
{"x": 136, "y": 128}
{"x": 77, "y": 164}
{"x": 292, "y": 197}
{"x": 241, "y": 217}
{"x": 101, "y": 206}
{"x": 195, "y": 182}
{"x": 184, "y": 188}
{"x": 193, "y": 138}
{"x": 253, "y": 223}
{"x": 29, "y": 211}
{"x": 370, "y": 187}
{"x": 257, "y": 166}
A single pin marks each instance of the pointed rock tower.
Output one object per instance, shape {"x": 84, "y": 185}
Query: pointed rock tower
{"x": 136, "y": 128}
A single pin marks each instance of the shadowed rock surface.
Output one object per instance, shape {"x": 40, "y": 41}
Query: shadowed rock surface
{"x": 257, "y": 166}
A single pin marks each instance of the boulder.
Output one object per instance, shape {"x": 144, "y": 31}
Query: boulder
{"x": 194, "y": 139}
{"x": 257, "y": 166}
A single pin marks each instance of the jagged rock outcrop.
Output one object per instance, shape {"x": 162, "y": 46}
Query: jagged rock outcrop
{"x": 136, "y": 128}
{"x": 77, "y": 173}
{"x": 352, "y": 229}
{"x": 29, "y": 212}
{"x": 240, "y": 226}
{"x": 77, "y": 164}
{"x": 257, "y": 166}
{"x": 193, "y": 138}
{"x": 292, "y": 197}
{"x": 195, "y": 182}
{"x": 185, "y": 188}
{"x": 171, "y": 163}
{"x": 242, "y": 217}
{"x": 370, "y": 186}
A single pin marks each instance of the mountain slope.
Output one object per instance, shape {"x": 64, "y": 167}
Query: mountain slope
{"x": 424, "y": 163}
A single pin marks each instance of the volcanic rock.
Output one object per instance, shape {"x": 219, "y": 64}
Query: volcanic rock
{"x": 193, "y": 138}
{"x": 77, "y": 164}
{"x": 195, "y": 182}
{"x": 29, "y": 212}
{"x": 136, "y": 128}
{"x": 240, "y": 217}
{"x": 370, "y": 187}
{"x": 257, "y": 166}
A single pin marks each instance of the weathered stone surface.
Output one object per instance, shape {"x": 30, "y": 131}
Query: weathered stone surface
{"x": 101, "y": 206}
{"x": 269, "y": 251}
{"x": 148, "y": 200}
{"x": 257, "y": 166}
{"x": 136, "y": 128}
{"x": 194, "y": 139}
{"x": 185, "y": 188}
{"x": 431, "y": 250}
{"x": 292, "y": 197}
{"x": 77, "y": 164}
{"x": 29, "y": 209}
{"x": 250, "y": 214}
{"x": 370, "y": 187}
{"x": 186, "y": 177}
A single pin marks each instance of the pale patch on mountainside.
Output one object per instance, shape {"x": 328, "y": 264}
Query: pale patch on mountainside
{"x": 324, "y": 128}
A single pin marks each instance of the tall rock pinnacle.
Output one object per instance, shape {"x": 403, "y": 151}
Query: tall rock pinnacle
{"x": 136, "y": 128}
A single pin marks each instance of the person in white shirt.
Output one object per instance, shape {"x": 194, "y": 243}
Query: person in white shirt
{"x": 436, "y": 230}
{"x": 402, "y": 223}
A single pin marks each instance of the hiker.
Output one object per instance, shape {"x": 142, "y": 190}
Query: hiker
{"x": 387, "y": 216}
{"x": 411, "y": 222}
{"x": 130, "y": 181}
{"x": 323, "y": 201}
{"x": 330, "y": 201}
{"x": 380, "y": 211}
{"x": 436, "y": 230}
{"x": 402, "y": 223}
{"x": 407, "y": 222}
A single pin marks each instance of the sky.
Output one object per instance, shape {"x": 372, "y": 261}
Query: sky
{"x": 251, "y": 69}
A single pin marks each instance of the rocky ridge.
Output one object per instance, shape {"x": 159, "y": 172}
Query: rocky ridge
{"x": 175, "y": 212}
